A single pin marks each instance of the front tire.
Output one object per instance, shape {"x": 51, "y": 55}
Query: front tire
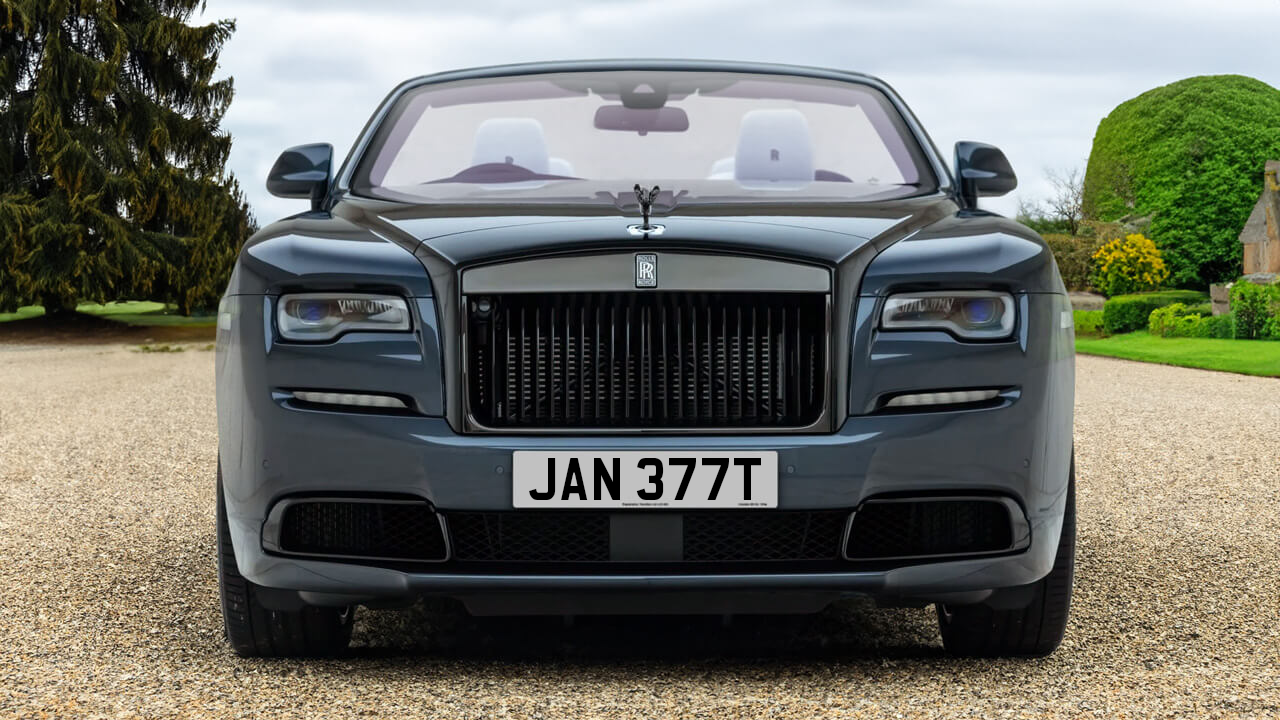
{"x": 1032, "y": 631}
{"x": 256, "y": 631}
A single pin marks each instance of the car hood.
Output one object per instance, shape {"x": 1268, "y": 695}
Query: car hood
{"x": 460, "y": 236}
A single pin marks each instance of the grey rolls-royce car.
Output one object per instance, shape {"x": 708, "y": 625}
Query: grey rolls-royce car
{"x": 644, "y": 337}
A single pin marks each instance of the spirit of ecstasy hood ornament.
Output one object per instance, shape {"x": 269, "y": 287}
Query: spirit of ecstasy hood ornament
{"x": 646, "y": 198}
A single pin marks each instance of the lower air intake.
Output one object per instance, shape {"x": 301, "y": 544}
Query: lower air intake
{"x": 395, "y": 530}
{"x": 530, "y": 536}
{"x": 906, "y": 528}
{"x": 707, "y": 537}
{"x": 753, "y": 537}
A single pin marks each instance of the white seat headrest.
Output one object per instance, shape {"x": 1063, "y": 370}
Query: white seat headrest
{"x": 514, "y": 141}
{"x": 722, "y": 169}
{"x": 560, "y": 166}
{"x": 773, "y": 146}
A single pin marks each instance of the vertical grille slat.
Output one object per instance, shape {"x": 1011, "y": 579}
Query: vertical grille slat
{"x": 584, "y": 357}
{"x": 595, "y": 371}
{"x": 647, "y": 360}
{"x": 526, "y": 369}
{"x": 709, "y": 363}
{"x": 493, "y": 367}
{"x": 664, "y": 372}
{"x": 628, "y": 362}
{"x": 537, "y": 355}
{"x": 613, "y": 361}
{"x": 726, "y": 390}
{"x": 768, "y": 364}
{"x": 680, "y": 362}
{"x": 693, "y": 358}
{"x": 512, "y": 369}
{"x": 740, "y": 363}
{"x": 753, "y": 343}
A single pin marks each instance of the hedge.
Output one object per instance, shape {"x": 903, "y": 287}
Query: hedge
{"x": 1088, "y": 322}
{"x": 1217, "y": 326}
{"x": 1254, "y": 306}
{"x": 1178, "y": 320}
{"x": 1126, "y": 313}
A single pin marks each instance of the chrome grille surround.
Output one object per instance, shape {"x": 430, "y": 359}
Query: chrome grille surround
{"x": 748, "y": 355}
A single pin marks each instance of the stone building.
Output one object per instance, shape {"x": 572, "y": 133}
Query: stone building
{"x": 1260, "y": 239}
{"x": 1261, "y": 234}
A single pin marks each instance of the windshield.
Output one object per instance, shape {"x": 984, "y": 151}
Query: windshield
{"x": 591, "y": 136}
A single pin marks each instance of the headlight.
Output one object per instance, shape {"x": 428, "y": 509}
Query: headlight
{"x": 324, "y": 316}
{"x": 970, "y": 314}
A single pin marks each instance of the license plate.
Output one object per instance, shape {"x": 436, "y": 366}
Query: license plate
{"x": 639, "y": 479}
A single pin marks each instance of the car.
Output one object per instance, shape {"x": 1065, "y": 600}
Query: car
{"x": 619, "y": 337}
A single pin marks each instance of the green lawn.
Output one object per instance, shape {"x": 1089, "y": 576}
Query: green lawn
{"x": 1251, "y": 357}
{"x": 136, "y": 312}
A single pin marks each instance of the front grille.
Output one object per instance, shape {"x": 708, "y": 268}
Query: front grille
{"x": 919, "y": 528}
{"x": 569, "y": 537}
{"x": 391, "y": 530}
{"x": 647, "y": 360}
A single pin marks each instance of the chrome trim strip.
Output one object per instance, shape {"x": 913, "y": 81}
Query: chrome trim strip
{"x": 272, "y": 526}
{"x": 615, "y": 272}
{"x": 1020, "y": 528}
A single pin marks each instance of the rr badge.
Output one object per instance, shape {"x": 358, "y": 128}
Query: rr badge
{"x": 646, "y": 270}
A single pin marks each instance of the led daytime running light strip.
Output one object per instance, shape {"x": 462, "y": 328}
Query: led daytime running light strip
{"x": 959, "y": 397}
{"x": 352, "y": 399}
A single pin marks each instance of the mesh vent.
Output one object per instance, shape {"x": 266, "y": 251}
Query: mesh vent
{"x": 530, "y": 537}
{"x": 728, "y": 537}
{"x": 883, "y": 530}
{"x": 738, "y": 536}
{"x": 647, "y": 359}
{"x": 406, "y": 531}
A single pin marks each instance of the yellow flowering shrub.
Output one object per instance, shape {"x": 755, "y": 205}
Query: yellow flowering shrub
{"x": 1128, "y": 265}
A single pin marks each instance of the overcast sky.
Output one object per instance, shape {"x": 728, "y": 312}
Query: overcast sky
{"x": 1031, "y": 76}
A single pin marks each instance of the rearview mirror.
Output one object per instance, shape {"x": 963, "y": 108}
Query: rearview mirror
{"x": 982, "y": 171}
{"x": 302, "y": 172}
{"x": 641, "y": 120}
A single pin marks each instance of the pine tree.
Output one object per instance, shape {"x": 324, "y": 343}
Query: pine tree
{"x": 112, "y": 163}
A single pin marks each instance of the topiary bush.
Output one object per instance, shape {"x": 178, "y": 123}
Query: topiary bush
{"x": 1189, "y": 156}
{"x": 1126, "y": 313}
{"x": 1128, "y": 265}
{"x": 1254, "y": 306}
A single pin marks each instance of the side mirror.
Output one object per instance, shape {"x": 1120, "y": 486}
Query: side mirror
{"x": 302, "y": 172}
{"x": 982, "y": 171}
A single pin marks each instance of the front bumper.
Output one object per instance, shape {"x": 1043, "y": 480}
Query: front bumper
{"x": 271, "y": 449}
{"x": 317, "y": 452}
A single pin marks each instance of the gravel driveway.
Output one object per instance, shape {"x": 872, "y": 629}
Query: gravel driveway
{"x": 108, "y": 598}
